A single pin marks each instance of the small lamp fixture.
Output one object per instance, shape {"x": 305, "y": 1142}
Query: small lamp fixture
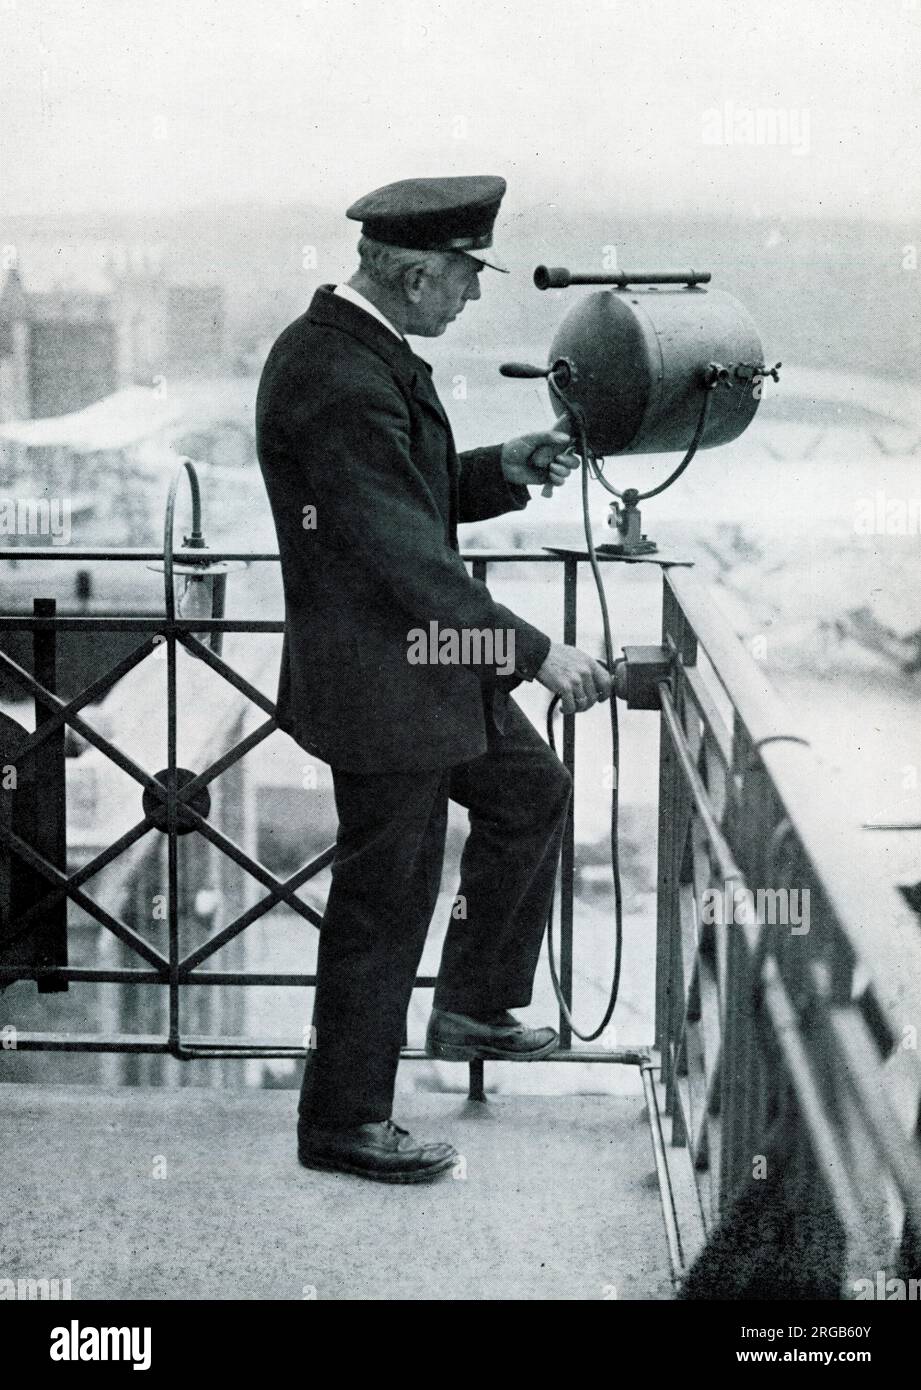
{"x": 193, "y": 588}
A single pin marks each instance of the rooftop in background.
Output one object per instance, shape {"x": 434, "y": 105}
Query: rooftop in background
{"x": 138, "y": 413}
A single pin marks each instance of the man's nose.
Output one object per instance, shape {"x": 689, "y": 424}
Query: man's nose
{"x": 473, "y": 289}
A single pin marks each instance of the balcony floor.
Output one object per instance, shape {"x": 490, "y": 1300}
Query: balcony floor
{"x": 560, "y": 1200}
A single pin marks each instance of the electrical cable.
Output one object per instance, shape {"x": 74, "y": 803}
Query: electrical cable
{"x": 598, "y": 474}
{"x": 585, "y": 454}
{"x": 589, "y": 465}
{"x": 692, "y": 449}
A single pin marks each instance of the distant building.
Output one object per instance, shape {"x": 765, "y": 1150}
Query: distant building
{"x": 194, "y": 328}
{"x": 65, "y": 346}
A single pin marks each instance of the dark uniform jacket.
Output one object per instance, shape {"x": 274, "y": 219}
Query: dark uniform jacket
{"x": 348, "y": 422}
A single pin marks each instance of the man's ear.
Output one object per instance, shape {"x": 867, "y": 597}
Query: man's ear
{"x": 413, "y": 281}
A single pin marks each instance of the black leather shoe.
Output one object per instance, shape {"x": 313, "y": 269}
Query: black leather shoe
{"x": 381, "y": 1151}
{"x": 457, "y": 1038}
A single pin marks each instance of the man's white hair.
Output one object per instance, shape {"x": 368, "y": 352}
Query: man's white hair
{"x": 386, "y": 265}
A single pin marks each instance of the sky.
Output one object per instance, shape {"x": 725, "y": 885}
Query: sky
{"x": 779, "y": 107}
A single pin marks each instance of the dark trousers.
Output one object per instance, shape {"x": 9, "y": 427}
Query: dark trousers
{"x": 386, "y": 877}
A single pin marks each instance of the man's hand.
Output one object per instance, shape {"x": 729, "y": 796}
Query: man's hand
{"x": 577, "y": 677}
{"x": 540, "y": 457}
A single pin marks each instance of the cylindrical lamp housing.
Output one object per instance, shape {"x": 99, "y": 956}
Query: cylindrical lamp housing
{"x": 640, "y": 360}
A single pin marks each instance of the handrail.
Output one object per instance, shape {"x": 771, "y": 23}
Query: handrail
{"x": 836, "y": 852}
{"x": 127, "y": 553}
{"x": 788, "y": 1068}
{"x": 183, "y": 970}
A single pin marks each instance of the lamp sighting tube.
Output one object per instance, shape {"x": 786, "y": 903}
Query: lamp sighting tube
{"x": 557, "y": 277}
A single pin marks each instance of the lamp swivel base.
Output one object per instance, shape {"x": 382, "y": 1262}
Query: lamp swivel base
{"x": 644, "y": 546}
{"x": 624, "y": 518}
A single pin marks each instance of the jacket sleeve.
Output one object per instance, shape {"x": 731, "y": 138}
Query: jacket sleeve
{"x": 483, "y": 490}
{"x": 355, "y": 453}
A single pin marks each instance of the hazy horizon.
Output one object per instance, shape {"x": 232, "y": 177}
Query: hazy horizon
{"x": 721, "y": 107}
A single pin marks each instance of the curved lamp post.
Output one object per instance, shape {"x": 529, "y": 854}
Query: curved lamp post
{"x": 197, "y": 587}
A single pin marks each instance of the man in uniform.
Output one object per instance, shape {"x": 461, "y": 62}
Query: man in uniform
{"x": 367, "y": 491}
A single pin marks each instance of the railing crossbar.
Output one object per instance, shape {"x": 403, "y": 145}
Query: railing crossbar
{"x": 56, "y": 876}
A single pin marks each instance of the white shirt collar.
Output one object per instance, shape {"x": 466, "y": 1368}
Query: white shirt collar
{"x": 353, "y": 297}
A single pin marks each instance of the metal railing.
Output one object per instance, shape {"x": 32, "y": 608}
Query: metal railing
{"x": 789, "y": 1067}
{"x": 788, "y": 985}
{"x": 169, "y": 809}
